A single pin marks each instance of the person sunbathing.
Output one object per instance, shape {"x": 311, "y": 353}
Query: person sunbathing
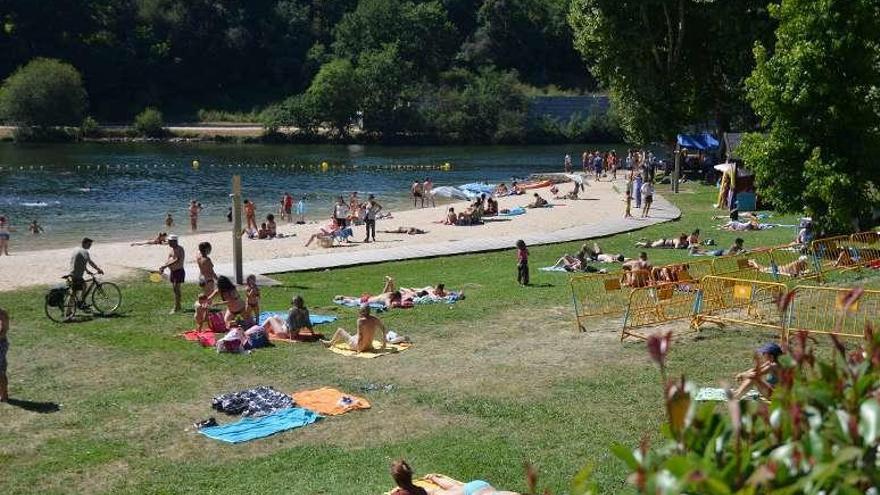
{"x": 764, "y": 376}
{"x": 406, "y": 230}
{"x": 538, "y": 202}
{"x": 737, "y": 226}
{"x": 451, "y": 218}
{"x": 516, "y": 190}
{"x": 501, "y": 190}
{"x": 326, "y": 232}
{"x": 632, "y": 277}
{"x": 161, "y": 238}
{"x": 793, "y": 269}
{"x": 368, "y": 326}
{"x": 449, "y": 486}
{"x": 681, "y": 242}
{"x": 403, "y": 478}
{"x": 409, "y": 293}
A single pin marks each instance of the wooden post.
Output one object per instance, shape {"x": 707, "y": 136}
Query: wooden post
{"x": 236, "y": 229}
{"x": 677, "y": 172}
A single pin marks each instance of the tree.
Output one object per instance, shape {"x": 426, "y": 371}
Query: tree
{"x": 150, "y": 123}
{"x": 818, "y": 97}
{"x": 662, "y": 62}
{"x": 422, "y": 31}
{"x": 335, "y": 93}
{"x": 383, "y": 76}
{"x": 45, "y": 92}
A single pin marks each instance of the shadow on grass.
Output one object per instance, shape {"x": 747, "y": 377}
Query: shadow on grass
{"x": 541, "y": 286}
{"x": 37, "y": 407}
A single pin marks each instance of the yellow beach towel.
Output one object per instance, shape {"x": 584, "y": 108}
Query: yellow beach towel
{"x": 329, "y": 401}
{"x": 344, "y": 350}
{"x": 423, "y": 483}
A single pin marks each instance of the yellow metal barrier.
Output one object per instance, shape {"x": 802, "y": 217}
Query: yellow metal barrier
{"x": 731, "y": 264}
{"x": 725, "y": 300}
{"x": 828, "y": 251}
{"x": 658, "y": 304}
{"x": 822, "y": 310}
{"x": 598, "y": 294}
{"x": 866, "y": 247}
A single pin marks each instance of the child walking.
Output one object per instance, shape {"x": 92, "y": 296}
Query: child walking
{"x": 522, "y": 266}
{"x": 253, "y": 297}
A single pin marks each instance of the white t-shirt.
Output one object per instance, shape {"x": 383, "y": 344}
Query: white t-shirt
{"x": 647, "y": 189}
{"x": 341, "y": 211}
{"x": 79, "y": 261}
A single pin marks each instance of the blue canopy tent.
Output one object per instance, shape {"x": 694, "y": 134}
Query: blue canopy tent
{"x": 699, "y": 142}
{"x": 702, "y": 142}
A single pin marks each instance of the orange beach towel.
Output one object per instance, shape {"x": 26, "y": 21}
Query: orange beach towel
{"x": 329, "y": 401}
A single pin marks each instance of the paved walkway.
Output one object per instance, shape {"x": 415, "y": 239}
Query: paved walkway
{"x": 662, "y": 211}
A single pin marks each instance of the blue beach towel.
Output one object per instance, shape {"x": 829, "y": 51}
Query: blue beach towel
{"x": 315, "y": 319}
{"x": 247, "y": 429}
{"x": 451, "y": 298}
{"x": 513, "y": 212}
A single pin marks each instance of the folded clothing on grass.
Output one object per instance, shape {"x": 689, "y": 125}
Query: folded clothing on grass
{"x": 344, "y": 350}
{"x": 329, "y": 401}
{"x": 258, "y": 401}
{"x": 247, "y": 429}
{"x": 553, "y": 269}
{"x": 315, "y": 319}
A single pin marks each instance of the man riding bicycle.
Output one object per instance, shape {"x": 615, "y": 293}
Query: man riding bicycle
{"x": 79, "y": 263}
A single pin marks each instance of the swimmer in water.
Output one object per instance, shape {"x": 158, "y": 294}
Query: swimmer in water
{"x": 169, "y": 221}
{"x": 35, "y": 228}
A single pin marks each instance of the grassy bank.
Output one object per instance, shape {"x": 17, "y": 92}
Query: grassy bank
{"x": 496, "y": 380}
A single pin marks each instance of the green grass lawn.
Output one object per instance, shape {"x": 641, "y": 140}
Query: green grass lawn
{"x": 497, "y": 380}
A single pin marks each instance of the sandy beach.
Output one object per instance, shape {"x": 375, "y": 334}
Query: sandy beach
{"x": 601, "y": 204}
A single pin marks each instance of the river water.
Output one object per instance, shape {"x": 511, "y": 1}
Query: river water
{"x": 124, "y": 191}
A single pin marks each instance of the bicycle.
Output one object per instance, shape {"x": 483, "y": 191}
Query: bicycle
{"x": 62, "y": 303}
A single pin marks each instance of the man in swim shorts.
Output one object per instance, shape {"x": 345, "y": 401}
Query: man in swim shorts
{"x": 417, "y": 191}
{"x": 174, "y": 263}
{"x": 368, "y": 326}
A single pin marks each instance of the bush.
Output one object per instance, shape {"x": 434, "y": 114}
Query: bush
{"x": 149, "y": 123}
{"x": 90, "y": 127}
{"x": 298, "y": 111}
{"x": 45, "y": 92}
{"x": 820, "y": 433}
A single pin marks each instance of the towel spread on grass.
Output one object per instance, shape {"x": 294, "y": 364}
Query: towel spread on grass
{"x": 355, "y": 302}
{"x": 709, "y": 394}
{"x": 205, "y": 337}
{"x": 329, "y": 401}
{"x": 553, "y": 269}
{"x": 258, "y": 401}
{"x": 248, "y": 429}
{"x": 450, "y": 298}
{"x": 429, "y": 486}
{"x": 344, "y": 350}
{"x": 315, "y": 319}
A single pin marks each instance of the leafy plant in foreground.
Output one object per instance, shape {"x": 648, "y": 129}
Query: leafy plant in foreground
{"x": 819, "y": 434}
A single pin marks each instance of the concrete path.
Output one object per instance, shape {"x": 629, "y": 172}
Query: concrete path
{"x": 662, "y": 211}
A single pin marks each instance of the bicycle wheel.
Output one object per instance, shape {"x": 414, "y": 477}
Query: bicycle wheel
{"x": 106, "y": 298}
{"x": 63, "y": 312}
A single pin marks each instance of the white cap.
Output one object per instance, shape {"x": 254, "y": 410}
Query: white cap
{"x": 172, "y": 237}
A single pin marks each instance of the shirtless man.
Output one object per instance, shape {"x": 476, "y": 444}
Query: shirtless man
{"x": 176, "y": 256}
{"x": 35, "y": 228}
{"x": 287, "y": 207}
{"x": 538, "y": 202}
{"x": 4, "y": 346}
{"x": 368, "y": 326}
{"x": 208, "y": 276}
{"x": 427, "y": 191}
{"x": 793, "y": 269}
{"x": 194, "y": 209}
{"x": 250, "y": 213}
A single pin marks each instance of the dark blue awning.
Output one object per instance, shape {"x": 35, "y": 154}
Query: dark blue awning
{"x": 701, "y": 142}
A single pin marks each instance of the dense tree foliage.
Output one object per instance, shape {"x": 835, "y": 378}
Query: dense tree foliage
{"x": 818, "y": 96}
{"x": 669, "y": 64}
{"x": 182, "y": 55}
{"x": 43, "y": 93}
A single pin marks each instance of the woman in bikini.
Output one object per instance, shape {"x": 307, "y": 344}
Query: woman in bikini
{"x": 449, "y": 486}
{"x": 5, "y": 229}
{"x": 235, "y": 307}
{"x": 253, "y": 297}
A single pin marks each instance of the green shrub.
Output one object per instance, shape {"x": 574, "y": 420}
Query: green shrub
{"x": 820, "y": 433}
{"x": 90, "y": 127}
{"x": 207, "y": 116}
{"x": 45, "y": 92}
{"x": 149, "y": 123}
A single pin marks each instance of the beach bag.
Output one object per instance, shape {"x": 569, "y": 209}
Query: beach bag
{"x": 55, "y": 297}
{"x": 216, "y": 322}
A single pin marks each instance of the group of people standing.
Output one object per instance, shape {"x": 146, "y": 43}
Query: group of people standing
{"x": 422, "y": 193}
